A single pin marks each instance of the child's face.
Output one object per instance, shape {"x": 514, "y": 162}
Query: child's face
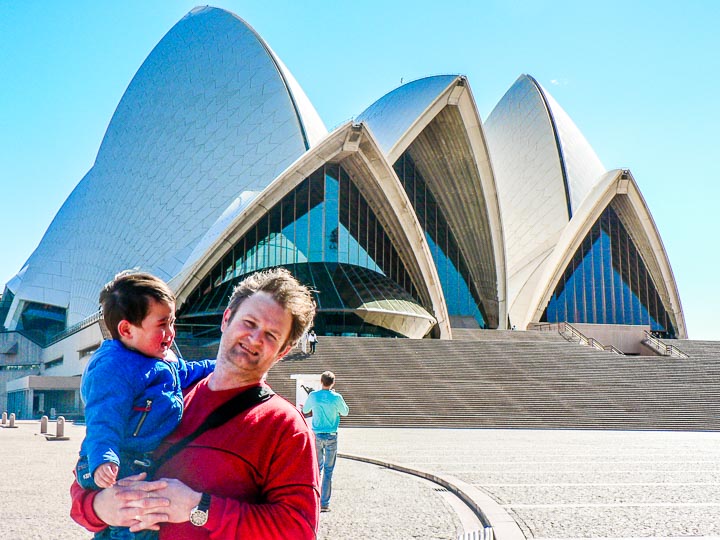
{"x": 156, "y": 333}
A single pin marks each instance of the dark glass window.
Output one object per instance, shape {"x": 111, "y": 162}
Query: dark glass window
{"x": 321, "y": 230}
{"x": 607, "y": 282}
{"x": 5, "y": 303}
{"x": 42, "y": 321}
{"x": 461, "y": 296}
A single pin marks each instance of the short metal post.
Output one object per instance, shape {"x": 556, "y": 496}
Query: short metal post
{"x": 60, "y": 431}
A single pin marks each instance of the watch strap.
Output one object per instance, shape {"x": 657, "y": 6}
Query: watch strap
{"x": 204, "y": 503}
{"x": 199, "y": 514}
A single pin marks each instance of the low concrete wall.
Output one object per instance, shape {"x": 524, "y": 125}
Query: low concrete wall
{"x": 626, "y": 338}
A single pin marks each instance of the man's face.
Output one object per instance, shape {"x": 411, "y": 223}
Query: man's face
{"x": 254, "y": 338}
{"x": 155, "y": 334}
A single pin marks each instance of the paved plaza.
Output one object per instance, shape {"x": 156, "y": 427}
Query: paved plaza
{"x": 554, "y": 484}
{"x": 564, "y": 484}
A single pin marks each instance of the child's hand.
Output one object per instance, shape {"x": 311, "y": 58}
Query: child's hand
{"x": 105, "y": 475}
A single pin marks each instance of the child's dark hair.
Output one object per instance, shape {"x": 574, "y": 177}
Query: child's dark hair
{"x": 127, "y": 296}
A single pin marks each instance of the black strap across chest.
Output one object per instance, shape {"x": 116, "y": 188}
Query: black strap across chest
{"x": 230, "y": 409}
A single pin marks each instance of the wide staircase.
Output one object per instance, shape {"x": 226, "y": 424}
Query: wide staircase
{"x": 509, "y": 379}
{"x": 696, "y": 348}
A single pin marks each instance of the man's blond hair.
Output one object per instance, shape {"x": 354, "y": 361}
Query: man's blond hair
{"x": 286, "y": 290}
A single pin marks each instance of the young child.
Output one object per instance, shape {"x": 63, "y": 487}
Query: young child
{"x": 132, "y": 386}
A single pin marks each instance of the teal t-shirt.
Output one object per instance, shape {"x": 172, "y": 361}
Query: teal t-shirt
{"x": 327, "y": 406}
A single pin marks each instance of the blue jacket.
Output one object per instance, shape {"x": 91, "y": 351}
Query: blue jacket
{"x": 327, "y": 406}
{"x": 115, "y": 387}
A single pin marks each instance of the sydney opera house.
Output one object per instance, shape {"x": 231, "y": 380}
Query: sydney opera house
{"x": 412, "y": 219}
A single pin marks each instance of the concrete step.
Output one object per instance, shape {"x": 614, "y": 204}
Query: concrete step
{"x": 508, "y": 379}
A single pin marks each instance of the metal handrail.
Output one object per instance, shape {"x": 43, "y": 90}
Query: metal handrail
{"x": 563, "y": 328}
{"x": 663, "y": 348}
{"x": 614, "y": 349}
{"x": 543, "y": 327}
{"x": 87, "y": 321}
{"x": 584, "y": 340}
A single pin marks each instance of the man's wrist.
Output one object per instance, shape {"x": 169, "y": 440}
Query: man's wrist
{"x": 103, "y": 511}
{"x": 200, "y": 513}
{"x": 83, "y": 510}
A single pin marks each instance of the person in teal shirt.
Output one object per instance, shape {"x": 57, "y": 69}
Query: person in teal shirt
{"x": 326, "y": 407}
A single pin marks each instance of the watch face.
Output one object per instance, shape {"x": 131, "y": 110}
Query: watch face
{"x": 198, "y": 517}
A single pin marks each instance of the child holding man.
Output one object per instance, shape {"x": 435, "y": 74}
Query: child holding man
{"x": 132, "y": 386}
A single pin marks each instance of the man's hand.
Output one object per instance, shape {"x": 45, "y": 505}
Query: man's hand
{"x": 182, "y": 499}
{"x": 133, "y": 503}
{"x": 105, "y": 475}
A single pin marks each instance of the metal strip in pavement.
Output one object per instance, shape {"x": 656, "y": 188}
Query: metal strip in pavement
{"x": 490, "y": 513}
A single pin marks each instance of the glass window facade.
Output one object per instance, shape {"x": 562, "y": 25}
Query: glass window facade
{"x": 5, "y": 303}
{"x": 461, "y": 297}
{"x": 325, "y": 232}
{"x": 607, "y": 282}
{"x": 41, "y": 321}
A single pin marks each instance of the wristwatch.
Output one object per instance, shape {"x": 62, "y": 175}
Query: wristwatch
{"x": 199, "y": 514}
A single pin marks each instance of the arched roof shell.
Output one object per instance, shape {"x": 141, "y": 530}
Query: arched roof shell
{"x": 435, "y": 120}
{"x": 393, "y": 115}
{"x": 354, "y": 147}
{"x": 620, "y": 187}
{"x": 210, "y": 114}
{"x": 543, "y": 168}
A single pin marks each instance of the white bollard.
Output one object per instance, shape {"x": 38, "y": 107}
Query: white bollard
{"x": 60, "y": 431}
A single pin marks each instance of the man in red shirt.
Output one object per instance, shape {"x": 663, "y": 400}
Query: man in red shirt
{"x": 255, "y": 475}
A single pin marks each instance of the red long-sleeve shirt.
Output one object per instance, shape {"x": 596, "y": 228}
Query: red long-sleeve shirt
{"x": 259, "y": 467}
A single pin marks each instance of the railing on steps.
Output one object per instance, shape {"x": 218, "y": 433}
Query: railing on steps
{"x": 87, "y": 321}
{"x": 524, "y": 385}
{"x": 569, "y": 332}
{"x": 663, "y": 348}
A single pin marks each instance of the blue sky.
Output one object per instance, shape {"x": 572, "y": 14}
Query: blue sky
{"x": 639, "y": 78}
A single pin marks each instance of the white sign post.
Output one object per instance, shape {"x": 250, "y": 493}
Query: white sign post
{"x": 304, "y": 384}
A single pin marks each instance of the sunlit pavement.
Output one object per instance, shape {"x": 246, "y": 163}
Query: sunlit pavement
{"x": 560, "y": 484}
